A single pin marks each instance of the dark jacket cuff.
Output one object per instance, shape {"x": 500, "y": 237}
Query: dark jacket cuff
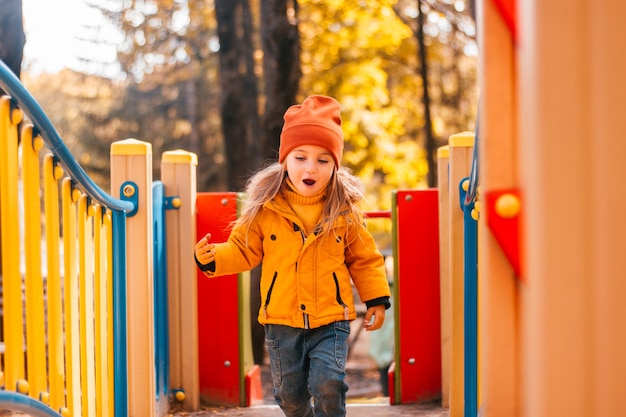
{"x": 210, "y": 267}
{"x": 378, "y": 301}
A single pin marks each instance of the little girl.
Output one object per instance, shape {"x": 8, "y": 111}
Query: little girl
{"x": 302, "y": 220}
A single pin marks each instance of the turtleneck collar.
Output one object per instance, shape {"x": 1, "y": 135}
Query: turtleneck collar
{"x": 294, "y": 197}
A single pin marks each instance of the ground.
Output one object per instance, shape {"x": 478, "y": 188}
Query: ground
{"x": 364, "y": 394}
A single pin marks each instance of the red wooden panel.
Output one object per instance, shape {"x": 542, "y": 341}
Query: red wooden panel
{"x": 509, "y": 15}
{"x": 254, "y": 388}
{"x": 419, "y": 329}
{"x": 503, "y": 209}
{"x": 218, "y": 311}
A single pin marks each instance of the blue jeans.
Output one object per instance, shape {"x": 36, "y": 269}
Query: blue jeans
{"x": 308, "y": 368}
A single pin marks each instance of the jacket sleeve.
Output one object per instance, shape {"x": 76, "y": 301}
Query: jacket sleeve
{"x": 241, "y": 252}
{"x": 366, "y": 264}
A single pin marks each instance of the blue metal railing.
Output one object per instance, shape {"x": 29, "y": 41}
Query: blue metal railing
{"x": 19, "y": 402}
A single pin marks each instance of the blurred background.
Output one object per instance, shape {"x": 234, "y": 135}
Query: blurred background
{"x": 215, "y": 76}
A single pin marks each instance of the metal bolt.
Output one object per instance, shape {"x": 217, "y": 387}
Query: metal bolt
{"x": 129, "y": 190}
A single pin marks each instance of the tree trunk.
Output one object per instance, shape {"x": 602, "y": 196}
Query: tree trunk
{"x": 12, "y": 38}
{"x": 191, "y": 102}
{"x": 281, "y": 68}
{"x": 251, "y": 93}
{"x": 238, "y": 103}
{"x": 430, "y": 145}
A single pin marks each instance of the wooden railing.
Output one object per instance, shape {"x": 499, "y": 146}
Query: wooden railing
{"x": 64, "y": 343}
{"x": 70, "y": 344}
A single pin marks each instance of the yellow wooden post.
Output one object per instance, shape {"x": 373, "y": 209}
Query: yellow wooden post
{"x": 444, "y": 273}
{"x": 11, "y": 277}
{"x": 178, "y": 174}
{"x": 460, "y": 157}
{"x": 85, "y": 262}
{"x": 131, "y": 161}
{"x": 70, "y": 198}
{"x": 102, "y": 312}
{"x": 108, "y": 235}
{"x": 35, "y": 329}
{"x": 52, "y": 173}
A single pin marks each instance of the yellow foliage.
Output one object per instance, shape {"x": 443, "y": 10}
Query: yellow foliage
{"x": 363, "y": 54}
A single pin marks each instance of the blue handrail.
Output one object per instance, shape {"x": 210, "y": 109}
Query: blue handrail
{"x": 473, "y": 178}
{"x": 13, "y": 86}
{"x": 25, "y": 404}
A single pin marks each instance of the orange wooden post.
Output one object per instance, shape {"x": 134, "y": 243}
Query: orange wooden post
{"x": 460, "y": 148}
{"x": 418, "y": 332}
{"x": 444, "y": 273}
{"x": 178, "y": 174}
{"x": 131, "y": 176}
{"x": 228, "y": 376}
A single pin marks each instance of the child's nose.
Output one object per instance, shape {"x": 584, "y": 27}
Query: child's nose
{"x": 311, "y": 166}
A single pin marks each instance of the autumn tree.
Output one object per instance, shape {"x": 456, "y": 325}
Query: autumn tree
{"x": 366, "y": 55}
{"x": 281, "y": 68}
{"x": 362, "y": 54}
{"x": 239, "y": 108}
{"x": 448, "y": 28}
{"x": 213, "y": 56}
{"x": 179, "y": 89}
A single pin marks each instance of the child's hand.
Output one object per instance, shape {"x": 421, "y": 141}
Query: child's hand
{"x": 204, "y": 250}
{"x": 377, "y": 313}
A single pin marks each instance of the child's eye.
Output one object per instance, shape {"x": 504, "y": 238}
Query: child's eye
{"x": 322, "y": 161}
{"x": 300, "y": 158}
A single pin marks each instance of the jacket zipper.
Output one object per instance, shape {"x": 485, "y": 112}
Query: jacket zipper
{"x": 296, "y": 228}
{"x": 269, "y": 295}
{"x": 346, "y": 310}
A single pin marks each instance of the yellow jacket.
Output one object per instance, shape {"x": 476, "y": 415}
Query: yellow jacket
{"x": 305, "y": 280}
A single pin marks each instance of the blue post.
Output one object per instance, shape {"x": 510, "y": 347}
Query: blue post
{"x": 470, "y": 304}
{"x": 161, "y": 334}
{"x": 120, "y": 348}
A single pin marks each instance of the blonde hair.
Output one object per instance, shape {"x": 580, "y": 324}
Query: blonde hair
{"x": 344, "y": 192}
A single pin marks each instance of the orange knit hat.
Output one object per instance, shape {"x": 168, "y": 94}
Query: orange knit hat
{"x": 317, "y": 121}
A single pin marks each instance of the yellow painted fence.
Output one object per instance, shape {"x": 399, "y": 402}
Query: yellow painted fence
{"x": 70, "y": 343}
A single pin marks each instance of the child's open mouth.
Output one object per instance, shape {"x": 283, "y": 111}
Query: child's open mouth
{"x": 309, "y": 182}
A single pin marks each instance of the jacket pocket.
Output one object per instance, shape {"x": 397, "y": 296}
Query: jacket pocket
{"x": 274, "y": 354}
{"x": 269, "y": 295}
{"x": 342, "y": 334}
{"x": 346, "y": 309}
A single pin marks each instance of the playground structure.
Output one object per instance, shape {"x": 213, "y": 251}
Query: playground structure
{"x": 529, "y": 274}
{"x": 113, "y": 323}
